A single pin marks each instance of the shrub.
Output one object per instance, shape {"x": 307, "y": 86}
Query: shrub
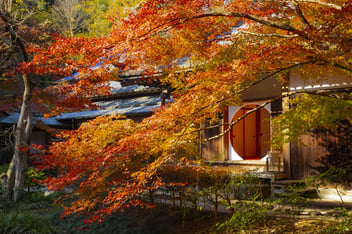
{"x": 246, "y": 217}
{"x": 33, "y": 175}
{"x": 344, "y": 224}
{"x": 15, "y": 222}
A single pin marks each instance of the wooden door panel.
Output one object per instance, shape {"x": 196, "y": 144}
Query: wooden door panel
{"x": 250, "y": 136}
{"x": 237, "y": 134}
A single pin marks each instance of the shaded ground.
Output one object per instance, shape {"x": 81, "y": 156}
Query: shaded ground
{"x": 164, "y": 219}
{"x": 168, "y": 220}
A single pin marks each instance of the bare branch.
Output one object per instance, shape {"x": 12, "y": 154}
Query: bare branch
{"x": 69, "y": 15}
{"x": 6, "y": 41}
{"x": 15, "y": 38}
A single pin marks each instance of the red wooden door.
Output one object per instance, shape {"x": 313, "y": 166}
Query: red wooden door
{"x": 248, "y": 135}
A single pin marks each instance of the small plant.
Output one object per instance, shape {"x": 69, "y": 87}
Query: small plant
{"x": 18, "y": 222}
{"x": 33, "y": 175}
{"x": 247, "y": 216}
{"x": 296, "y": 198}
{"x": 3, "y": 169}
{"x": 247, "y": 186}
{"x": 344, "y": 224}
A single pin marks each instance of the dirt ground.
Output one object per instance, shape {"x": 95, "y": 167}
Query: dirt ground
{"x": 173, "y": 221}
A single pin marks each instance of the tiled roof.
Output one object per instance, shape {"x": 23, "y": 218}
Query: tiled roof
{"x": 13, "y": 119}
{"x": 138, "y": 105}
{"x": 120, "y": 111}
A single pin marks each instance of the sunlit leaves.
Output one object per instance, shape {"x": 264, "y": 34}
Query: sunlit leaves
{"x": 310, "y": 112}
{"x": 208, "y": 52}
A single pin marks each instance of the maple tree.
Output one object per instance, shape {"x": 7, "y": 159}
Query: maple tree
{"x": 21, "y": 26}
{"x": 14, "y": 49}
{"x": 209, "y": 52}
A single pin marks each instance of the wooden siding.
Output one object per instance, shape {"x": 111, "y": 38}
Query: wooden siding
{"x": 321, "y": 148}
{"x": 213, "y": 150}
{"x": 304, "y": 157}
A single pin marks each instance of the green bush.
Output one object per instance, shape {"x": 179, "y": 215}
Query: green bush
{"x": 3, "y": 168}
{"x": 247, "y": 215}
{"x": 29, "y": 201}
{"x": 15, "y": 222}
{"x": 116, "y": 223}
{"x": 344, "y": 224}
{"x": 33, "y": 175}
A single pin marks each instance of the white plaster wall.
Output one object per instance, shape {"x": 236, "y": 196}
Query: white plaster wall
{"x": 231, "y": 111}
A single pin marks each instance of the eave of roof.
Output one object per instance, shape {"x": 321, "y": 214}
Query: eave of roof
{"x": 13, "y": 119}
{"x": 136, "y": 110}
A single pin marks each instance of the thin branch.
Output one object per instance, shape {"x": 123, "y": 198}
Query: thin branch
{"x": 232, "y": 36}
{"x": 289, "y": 94}
{"x": 325, "y": 4}
{"x": 5, "y": 60}
{"x": 249, "y": 86}
{"x": 268, "y": 35}
{"x": 170, "y": 23}
{"x": 342, "y": 67}
{"x": 299, "y": 13}
{"x": 331, "y": 5}
{"x": 336, "y": 93}
{"x": 273, "y": 74}
{"x": 14, "y": 36}
{"x": 6, "y": 41}
{"x": 258, "y": 19}
{"x": 239, "y": 119}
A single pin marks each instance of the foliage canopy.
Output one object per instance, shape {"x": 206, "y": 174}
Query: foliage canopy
{"x": 209, "y": 52}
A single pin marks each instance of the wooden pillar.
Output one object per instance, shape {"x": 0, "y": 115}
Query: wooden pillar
{"x": 225, "y": 138}
{"x": 286, "y": 149}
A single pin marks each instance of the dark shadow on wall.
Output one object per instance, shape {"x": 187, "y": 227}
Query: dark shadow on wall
{"x": 338, "y": 159}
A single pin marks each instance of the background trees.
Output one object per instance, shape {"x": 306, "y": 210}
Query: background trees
{"x": 210, "y": 52}
{"x": 87, "y": 18}
{"x": 69, "y": 16}
{"x": 24, "y": 24}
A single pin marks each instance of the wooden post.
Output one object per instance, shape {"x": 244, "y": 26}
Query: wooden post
{"x": 286, "y": 149}
{"x": 225, "y": 121}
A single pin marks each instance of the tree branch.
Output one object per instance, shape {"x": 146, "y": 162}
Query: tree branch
{"x": 267, "y": 35}
{"x": 327, "y": 93}
{"x": 331, "y": 5}
{"x": 258, "y": 19}
{"x": 249, "y": 86}
{"x": 239, "y": 119}
{"x": 349, "y": 69}
{"x": 299, "y": 13}
{"x": 15, "y": 38}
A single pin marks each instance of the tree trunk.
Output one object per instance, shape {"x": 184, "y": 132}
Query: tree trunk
{"x": 16, "y": 172}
